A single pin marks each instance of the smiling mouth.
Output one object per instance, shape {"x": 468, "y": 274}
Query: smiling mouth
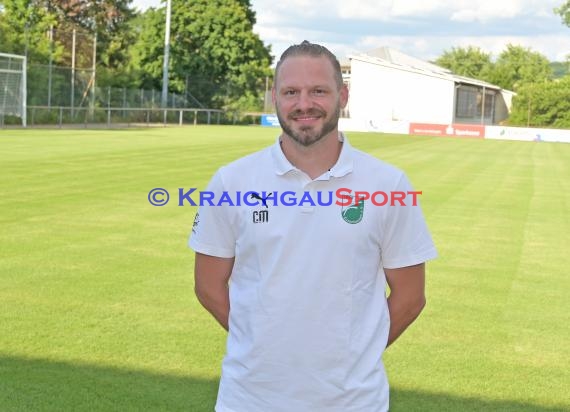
{"x": 306, "y": 117}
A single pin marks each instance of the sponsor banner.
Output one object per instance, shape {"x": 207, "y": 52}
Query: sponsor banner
{"x": 390, "y": 126}
{"x": 527, "y": 134}
{"x": 452, "y": 130}
{"x": 378, "y": 126}
{"x": 269, "y": 120}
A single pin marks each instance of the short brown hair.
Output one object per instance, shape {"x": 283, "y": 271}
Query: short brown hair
{"x": 306, "y": 48}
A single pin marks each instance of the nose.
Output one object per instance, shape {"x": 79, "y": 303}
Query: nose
{"x": 304, "y": 102}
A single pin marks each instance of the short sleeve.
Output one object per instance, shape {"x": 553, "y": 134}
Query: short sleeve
{"x": 407, "y": 240}
{"x": 212, "y": 231}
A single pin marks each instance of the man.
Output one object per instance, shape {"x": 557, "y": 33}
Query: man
{"x": 300, "y": 287}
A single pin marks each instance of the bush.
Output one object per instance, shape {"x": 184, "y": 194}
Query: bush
{"x": 542, "y": 104}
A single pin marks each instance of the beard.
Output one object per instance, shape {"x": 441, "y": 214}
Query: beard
{"x": 308, "y": 135}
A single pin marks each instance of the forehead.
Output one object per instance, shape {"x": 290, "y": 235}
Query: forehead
{"x": 305, "y": 70}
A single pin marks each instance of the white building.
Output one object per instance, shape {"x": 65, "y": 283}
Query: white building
{"x": 389, "y": 86}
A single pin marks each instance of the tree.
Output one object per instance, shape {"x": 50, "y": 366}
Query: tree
{"x": 146, "y": 54}
{"x": 96, "y": 16}
{"x": 5, "y": 38}
{"x": 564, "y": 12}
{"x": 539, "y": 100}
{"x": 560, "y": 69}
{"x": 214, "y": 51}
{"x": 544, "y": 104}
{"x": 23, "y": 24}
{"x": 517, "y": 66}
{"x": 471, "y": 62}
{"x": 108, "y": 19}
{"x": 514, "y": 67}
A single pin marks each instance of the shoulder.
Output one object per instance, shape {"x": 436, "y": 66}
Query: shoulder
{"x": 250, "y": 163}
{"x": 367, "y": 164}
{"x": 247, "y": 169}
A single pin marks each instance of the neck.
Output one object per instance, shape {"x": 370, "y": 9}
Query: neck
{"x": 316, "y": 159}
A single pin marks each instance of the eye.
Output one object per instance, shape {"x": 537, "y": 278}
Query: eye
{"x": 319, "y": 92}
{"x": 290, "y": 92}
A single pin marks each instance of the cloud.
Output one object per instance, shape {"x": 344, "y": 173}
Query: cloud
{"x": 430, "y": 48}
{"x": 387, "y": 10}
{"x": 422, "y": 28}
{"x": 460, "y": 10}
{"x": 364, "y": 9}
{"x": 145, "y": 4}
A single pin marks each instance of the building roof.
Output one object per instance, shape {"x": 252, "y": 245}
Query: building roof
{"x": 386, "y": 56}
{"x": 397, "y": 57}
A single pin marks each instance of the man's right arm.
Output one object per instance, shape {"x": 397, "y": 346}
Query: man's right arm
{"x": 211, "y": 277}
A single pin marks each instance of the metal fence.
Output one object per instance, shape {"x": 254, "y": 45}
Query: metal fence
{"x": 54, "y": 86}
{"x": 70, "y": 91}
{"x": 59, "y": 96}
{"x": 123, "y": 116}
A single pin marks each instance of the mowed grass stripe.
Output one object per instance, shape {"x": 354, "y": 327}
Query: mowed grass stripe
{"x": 539, "y": 335}
{"x": 97, "y": 284}
{"x": 482, "y": 207}
{"x": 481, "y": 232}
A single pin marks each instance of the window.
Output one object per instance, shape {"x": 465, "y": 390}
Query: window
{"x": 470, "y": 101}
{"x": 466, "y": 102}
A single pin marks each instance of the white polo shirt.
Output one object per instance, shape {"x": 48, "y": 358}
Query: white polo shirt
{"x": 309, "y": 318}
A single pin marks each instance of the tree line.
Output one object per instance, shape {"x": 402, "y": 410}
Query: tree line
{"x": 213, "y": 47}
{"x": 215, "y": 51}
{"x": 542, "y": 88}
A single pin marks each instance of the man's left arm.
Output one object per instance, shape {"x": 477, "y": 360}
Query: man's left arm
{"x": 407, "y": 297}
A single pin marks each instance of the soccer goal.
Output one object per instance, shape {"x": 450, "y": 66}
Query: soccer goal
{"x": 12, "y": 87}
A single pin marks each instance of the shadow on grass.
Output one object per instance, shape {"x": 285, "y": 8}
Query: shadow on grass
{"x": 43, "y": 385}
{"x": 413, "y": 401}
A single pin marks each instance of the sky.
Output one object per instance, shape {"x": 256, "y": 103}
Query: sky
{"x": 424, "y": 29}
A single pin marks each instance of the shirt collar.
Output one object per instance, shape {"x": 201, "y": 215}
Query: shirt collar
{"x": 342, "y": 167}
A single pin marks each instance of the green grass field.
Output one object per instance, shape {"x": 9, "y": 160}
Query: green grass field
{"x": 97, "y": 310}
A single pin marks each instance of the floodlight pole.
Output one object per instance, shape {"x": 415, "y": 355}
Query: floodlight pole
{"x": 483, "y": 106}
{"x": 94, "y": 74}
{"x": 73, "y": 73}
{"x": 164, "y": 101}
{"x": 25, "y": 92}
{"x": 50, "y": 65}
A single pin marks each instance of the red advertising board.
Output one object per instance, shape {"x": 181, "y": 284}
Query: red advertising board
{"x": 452, "y": 130}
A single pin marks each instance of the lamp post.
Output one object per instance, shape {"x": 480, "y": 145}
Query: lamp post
{"x": 164, "y": 100}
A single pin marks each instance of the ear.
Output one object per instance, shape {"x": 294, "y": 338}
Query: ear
{"x": 274, "y": 96}
{"x": 343, "y": 96}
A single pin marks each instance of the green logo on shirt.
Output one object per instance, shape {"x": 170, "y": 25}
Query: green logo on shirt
{"x": 196, "y": 221}
{"x": 353, "y": 213}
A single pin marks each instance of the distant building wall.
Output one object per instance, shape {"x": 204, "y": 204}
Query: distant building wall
{"x": 503, "y": 108}
{"x": 384, "y": 92}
